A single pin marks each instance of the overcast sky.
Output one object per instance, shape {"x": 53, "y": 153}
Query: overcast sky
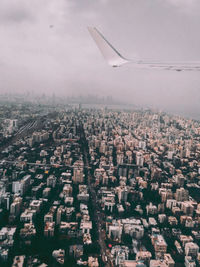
{"x": 45, "y": 47}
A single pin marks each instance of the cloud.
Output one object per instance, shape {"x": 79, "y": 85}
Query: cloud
{"x": 189, "y": 7}
{"x": 15, "y": 12}
{"x": 183, "y": 2}
{"x": 65, "y": 60}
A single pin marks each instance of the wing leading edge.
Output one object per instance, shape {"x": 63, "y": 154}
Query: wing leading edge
{"x": 111, "y": 55}
{"x": 115, "y": 59}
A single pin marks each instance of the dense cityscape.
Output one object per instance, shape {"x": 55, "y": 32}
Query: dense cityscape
{"x": 98, "y": 187}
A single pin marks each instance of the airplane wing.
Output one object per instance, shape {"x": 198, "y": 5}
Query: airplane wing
{"x": 115, "y": 59}
{"x": 111, "y": 55}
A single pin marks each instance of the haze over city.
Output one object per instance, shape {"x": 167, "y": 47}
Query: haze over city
{"x": 45, "y": 47}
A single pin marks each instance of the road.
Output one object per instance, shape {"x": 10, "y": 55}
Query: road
{"x": 95, "y": 207}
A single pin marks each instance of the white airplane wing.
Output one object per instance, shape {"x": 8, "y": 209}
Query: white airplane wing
{"x": 115, "y": 59}
{"x": 111, "y": 55}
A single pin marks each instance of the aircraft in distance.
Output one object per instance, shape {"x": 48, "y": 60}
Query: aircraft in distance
{"x": 115, "y": 59}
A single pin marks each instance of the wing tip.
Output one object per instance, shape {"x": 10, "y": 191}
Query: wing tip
{"x": 112, "y": 57}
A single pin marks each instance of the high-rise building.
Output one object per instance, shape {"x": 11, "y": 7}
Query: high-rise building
{"x": 78, "y": 174}
{"x": 191, "y": 249}
{"x": 139, "y": 159}
{"x": 182, "y": 194}
{"x": 25, "y": 182}
{"x": 16, "y": 187}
